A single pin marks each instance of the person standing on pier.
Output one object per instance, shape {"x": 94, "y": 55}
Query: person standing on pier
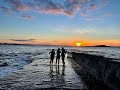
{"x": 52, "y": 55}
{"x": 63, "y": 56}
{"x": 58, "y": 56}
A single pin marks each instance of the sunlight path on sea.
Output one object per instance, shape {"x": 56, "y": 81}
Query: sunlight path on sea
{"x": 40, "y": 75}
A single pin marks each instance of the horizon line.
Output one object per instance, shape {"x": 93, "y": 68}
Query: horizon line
{"x": 58, "y": 45}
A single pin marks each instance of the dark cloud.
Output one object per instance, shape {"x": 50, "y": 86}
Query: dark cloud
{"x": 17, "y": 5}
{"x": 91, "y": 7}
{"x": 26, "y": 16}
{"x": 68, "y": 7}
{"x": 72, "y": 6}
{"x": 6, "y": 10}
{"x": 22, "y": 40}
{"x": 47, "y": 6}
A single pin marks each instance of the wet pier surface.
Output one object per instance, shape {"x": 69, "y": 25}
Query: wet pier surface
{"x": 41, "y": 75}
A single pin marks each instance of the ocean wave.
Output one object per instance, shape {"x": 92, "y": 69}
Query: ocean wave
{"x": 16, "y": 61}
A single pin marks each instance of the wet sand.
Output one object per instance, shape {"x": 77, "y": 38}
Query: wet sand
{"x": 40, "y": 75}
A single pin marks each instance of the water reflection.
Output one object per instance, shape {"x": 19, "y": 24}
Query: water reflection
{"x": 59, "y": 70}
{"x": 57, "y": 76}
{"x": 63, "y": 70}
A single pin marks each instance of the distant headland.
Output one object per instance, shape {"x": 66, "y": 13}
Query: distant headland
{"x": 102, "y": 46}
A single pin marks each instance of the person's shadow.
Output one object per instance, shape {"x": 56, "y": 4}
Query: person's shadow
{"x": 57, "y": 75}
{"x": 63, "y": 70}
{"x": 51, "y": 69}
{"x": 57, "y": 72}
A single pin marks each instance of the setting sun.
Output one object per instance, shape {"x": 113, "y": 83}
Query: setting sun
{"x": 78, "y": 44}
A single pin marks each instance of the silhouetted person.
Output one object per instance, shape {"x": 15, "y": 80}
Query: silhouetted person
{"x": 52, "y": 55}
{"x": 58, "y": 56}
{"x": 63, "y": 56}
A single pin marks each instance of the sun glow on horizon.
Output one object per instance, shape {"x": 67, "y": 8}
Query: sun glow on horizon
{"x": 78, "y": 44}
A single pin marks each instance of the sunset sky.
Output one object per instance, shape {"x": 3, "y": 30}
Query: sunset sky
{"x": 60, "y": 22}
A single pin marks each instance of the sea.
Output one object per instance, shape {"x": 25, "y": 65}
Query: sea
{"x": 17, "y": 56}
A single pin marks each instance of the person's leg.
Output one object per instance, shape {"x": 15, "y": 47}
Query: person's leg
{"x": 58, "y": 61}
{"x": 51, "y": 59}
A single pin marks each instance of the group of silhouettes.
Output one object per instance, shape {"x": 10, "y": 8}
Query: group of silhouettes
{"x": 60, "y": 53}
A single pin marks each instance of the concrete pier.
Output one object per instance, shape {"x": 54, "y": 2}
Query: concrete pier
{"x": 104, "y": 70}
